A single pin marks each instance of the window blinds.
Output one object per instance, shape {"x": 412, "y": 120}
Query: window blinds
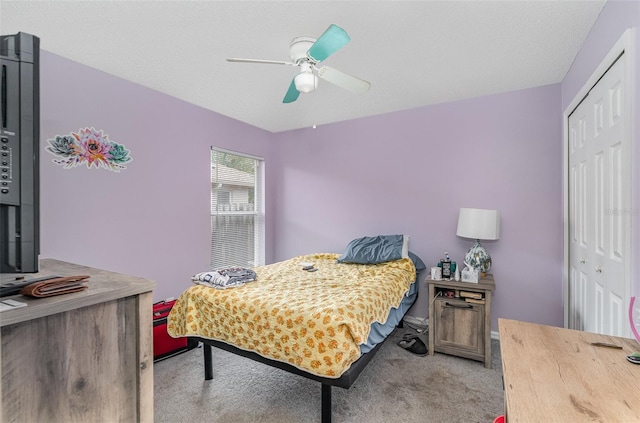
{"x": 237, "y": 210}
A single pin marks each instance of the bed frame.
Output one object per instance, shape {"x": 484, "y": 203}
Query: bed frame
{"x": 344, "y": 381}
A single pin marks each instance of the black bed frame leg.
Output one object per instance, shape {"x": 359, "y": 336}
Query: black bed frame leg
{"x": 326, "y": 403}
{"x": 208, "y": 362}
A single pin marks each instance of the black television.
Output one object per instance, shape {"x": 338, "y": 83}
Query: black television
{"x": 19, "y": 153}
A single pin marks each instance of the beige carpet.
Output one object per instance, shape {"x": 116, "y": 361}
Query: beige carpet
{"x": 396, "y": 386}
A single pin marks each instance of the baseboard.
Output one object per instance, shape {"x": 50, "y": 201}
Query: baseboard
{"x": 495, "y": 335}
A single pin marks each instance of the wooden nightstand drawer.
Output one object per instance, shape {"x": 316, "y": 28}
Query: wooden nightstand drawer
{"x": 459, "y": 328}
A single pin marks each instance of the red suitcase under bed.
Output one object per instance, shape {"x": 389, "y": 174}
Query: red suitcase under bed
{"x": 164, "y": 346}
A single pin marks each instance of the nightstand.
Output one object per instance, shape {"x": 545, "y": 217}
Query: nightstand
{"x": 460, "y": 318}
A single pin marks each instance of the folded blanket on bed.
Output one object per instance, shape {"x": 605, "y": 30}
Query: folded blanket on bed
{"x": 227, "y": 277}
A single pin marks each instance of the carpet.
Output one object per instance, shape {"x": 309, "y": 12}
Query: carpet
{"x": 396, "y": 386}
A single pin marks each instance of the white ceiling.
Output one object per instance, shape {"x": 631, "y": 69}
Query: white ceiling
{"x": 414, "y": 53}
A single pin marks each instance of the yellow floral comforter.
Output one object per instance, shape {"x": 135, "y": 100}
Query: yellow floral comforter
{"x": 314, "y": 321}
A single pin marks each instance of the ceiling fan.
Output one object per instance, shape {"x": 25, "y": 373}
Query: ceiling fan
{"x": 307, "y": 53}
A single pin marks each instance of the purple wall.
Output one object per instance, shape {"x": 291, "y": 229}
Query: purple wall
{"x": 152, "y": 219}
{"x": 615, "y": 18}
{"x": 407, "y": 172}
{"x": 410, "y": 172}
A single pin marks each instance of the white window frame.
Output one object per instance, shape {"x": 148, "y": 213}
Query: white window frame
{"x": 243, "y": 209}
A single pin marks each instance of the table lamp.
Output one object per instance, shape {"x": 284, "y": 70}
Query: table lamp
{"x": 478, "y": 224}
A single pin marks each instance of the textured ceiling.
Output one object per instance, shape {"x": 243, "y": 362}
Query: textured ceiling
{"x": 414, "y": 53}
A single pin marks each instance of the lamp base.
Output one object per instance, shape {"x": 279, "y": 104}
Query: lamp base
{"x": 478, "y": 258}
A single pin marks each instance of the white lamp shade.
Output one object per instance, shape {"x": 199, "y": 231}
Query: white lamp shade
{"x": 478, "y": 224}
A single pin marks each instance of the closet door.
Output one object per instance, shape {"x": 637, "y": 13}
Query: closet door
{"x": 599, "y": 207}
{"x": 579, "y": 235}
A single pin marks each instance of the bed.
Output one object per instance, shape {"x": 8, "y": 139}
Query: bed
{"x": 325, "y": 325}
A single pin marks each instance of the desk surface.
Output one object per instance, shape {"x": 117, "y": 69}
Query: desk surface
{"x": 554, "y": 374}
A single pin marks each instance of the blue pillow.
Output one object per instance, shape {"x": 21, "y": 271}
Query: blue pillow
{"x": 417, "y": 262}
{"x": 373, "y": 250}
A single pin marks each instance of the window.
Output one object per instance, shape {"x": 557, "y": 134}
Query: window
{"x": 237, "y": 212}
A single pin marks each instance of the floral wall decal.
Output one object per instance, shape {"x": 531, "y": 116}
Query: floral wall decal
{"x": 91, "y": 148}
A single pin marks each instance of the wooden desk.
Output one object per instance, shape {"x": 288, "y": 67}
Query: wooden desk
{"x": 553, "y": 374}
{"x": 81, "y": 357}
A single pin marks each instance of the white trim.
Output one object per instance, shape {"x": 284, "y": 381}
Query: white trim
{"x": 625, "y": 45}
{"x": 224, "y": 150}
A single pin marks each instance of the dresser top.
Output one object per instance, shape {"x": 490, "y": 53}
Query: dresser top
{"x": 102, "y": 286}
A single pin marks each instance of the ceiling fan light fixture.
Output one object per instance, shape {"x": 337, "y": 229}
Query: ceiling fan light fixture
{"x": 306, "y": 82}
{"x": 306, "y": 53}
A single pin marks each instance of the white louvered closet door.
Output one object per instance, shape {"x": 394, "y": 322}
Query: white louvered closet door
{"x": 599, "y": 207}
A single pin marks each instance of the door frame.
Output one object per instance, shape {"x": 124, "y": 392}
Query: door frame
{"x": 626, "y": 45}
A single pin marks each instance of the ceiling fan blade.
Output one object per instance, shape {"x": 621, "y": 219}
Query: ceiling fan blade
{"x": 343, "y": 80}
{"x": 329, "y": 42}
{"x": 270, "y": 62}
{"x": 292, "y": 93}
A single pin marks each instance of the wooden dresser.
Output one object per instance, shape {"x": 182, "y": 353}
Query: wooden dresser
{"x": 81, "y": 357}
